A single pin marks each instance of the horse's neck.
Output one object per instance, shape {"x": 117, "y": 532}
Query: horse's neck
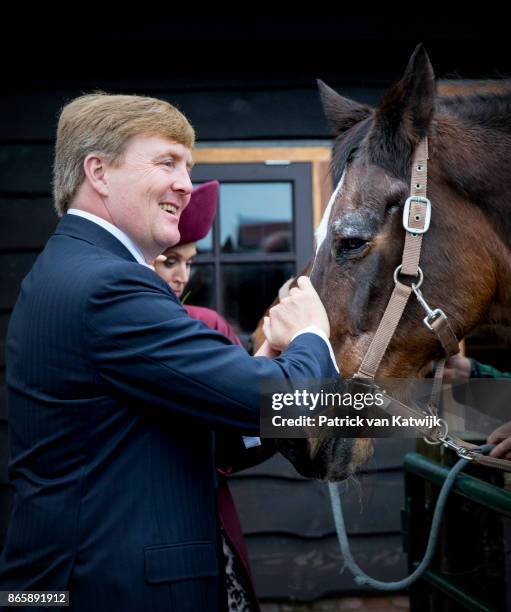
{"x": 498, "y": 216}
{"x": 499, "y": 312}
{"x": 475, "y": 161}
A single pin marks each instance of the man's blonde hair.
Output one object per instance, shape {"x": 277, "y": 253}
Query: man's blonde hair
{"x": 102, "y": 123}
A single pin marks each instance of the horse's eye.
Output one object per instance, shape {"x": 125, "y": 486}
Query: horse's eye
{"x": 350, "y": 244}
{"x": 350, "y": 247}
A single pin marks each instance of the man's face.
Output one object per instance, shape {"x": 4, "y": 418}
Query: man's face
{"x": 149, "y": 190}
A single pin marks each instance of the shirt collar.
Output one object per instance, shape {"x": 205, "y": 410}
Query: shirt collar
{"x": 115, "y": 231}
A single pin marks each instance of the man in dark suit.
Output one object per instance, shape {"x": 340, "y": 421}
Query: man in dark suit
{"x": 114, "y": 392}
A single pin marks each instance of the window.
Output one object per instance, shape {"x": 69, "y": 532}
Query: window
{"x": 262, "y": 234}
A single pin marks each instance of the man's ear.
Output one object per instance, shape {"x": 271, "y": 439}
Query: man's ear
{"x": 95, "y": 173}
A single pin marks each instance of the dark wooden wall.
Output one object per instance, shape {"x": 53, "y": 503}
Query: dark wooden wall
{"x": 290, "y": 531}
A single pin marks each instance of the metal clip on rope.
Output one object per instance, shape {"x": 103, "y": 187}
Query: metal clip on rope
{"x": 448, "y": 441}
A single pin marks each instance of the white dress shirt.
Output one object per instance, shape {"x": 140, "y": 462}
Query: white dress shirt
{"x": 115, "y": 231}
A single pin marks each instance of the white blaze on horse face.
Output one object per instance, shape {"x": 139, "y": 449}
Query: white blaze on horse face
{"x": 322, "y": 228}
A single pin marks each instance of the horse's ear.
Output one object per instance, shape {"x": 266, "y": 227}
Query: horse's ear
{"x": 341, "y": 113}
{"x": 407, "y": 108}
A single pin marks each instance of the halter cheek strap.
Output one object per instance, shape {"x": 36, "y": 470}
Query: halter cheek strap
{"x": 416, "y": 221}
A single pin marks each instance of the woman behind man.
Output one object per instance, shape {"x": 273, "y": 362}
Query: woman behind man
{"x": 174, "y": 267}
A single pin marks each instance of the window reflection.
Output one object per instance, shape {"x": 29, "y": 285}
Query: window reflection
{"x": 256, "y": 217}
{"x": 205, "y": 246}
{"x": 248, "y": 290}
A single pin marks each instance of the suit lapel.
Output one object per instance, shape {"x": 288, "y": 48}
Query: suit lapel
{"x": 83, "y": 229}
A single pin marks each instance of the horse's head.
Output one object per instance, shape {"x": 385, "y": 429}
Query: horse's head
{"x": 465, "y": 255}
{"x": 360, "y": 239}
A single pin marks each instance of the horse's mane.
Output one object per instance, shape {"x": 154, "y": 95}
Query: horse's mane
{"x": 490, "y": 111}
{"x": 346, "y": 146}
{"x": 485, "y": 112}
{"x": 474, "y": 134}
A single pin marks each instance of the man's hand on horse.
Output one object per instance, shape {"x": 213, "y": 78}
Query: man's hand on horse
{"x": 266, "y": 350}
{"x": 301, "y": 308}
{"x": 502, "y": 438}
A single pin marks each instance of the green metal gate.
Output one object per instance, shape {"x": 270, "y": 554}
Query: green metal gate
{"x": 473, "y": 559}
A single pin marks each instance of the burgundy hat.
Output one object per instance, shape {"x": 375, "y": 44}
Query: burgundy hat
{"x": 197, "y": 218}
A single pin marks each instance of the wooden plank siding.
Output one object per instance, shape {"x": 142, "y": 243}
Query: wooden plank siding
{"x": 26, "y": 223}
{"x": 231, "y": 114}
{"x": 373, "y": 504}
{"x": 3, "y": 444}
{"x": 14, "y": 266}
{"x": 388, "y": 455}
{"x": 3, "y": 407}
{"x": 304, "y": 570}
{"x": 25, "y": 169}
{"x": 5, "y": 510}
{"x": 4, "y": 320}
{"x": 290, "y": 533}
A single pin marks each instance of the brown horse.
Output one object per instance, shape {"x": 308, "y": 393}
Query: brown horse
{"x": 466, "y": 257}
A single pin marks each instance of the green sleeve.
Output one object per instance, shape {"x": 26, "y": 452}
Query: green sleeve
{"x": 481, "y": 370}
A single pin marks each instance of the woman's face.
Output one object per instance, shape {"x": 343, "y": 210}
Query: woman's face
{"x": 175, "y": 269}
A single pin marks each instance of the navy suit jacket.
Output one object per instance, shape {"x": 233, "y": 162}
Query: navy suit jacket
{"x": 114, "y": 394}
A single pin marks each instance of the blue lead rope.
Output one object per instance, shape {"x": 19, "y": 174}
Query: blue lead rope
{"x": 360, "y": 576}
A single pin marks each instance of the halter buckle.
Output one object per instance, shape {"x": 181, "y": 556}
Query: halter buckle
{"x": 427, "y": 214}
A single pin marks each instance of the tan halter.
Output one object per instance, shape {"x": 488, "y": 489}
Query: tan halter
{"x": 416, "y": 221}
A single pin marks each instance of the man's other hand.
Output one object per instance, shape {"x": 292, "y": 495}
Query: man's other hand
{"x": 301, "y": 308}
{"x": 457, "y": 367}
